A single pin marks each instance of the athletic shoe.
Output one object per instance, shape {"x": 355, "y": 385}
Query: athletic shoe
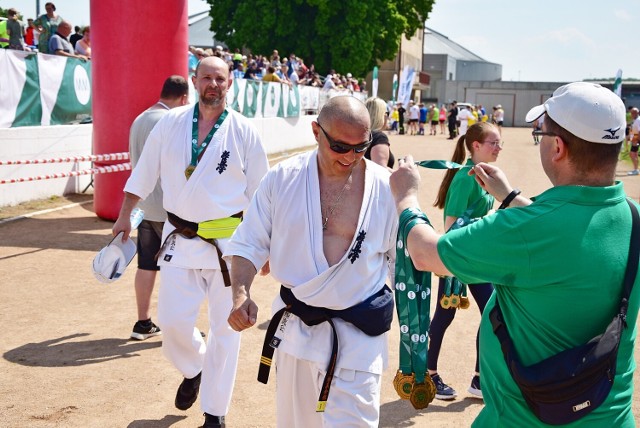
{"x": 443, "y": 391}
{"x": 475, "y": 389}
{"x": 634, "y": 172}
{"x": 144, "y": 330}
{"x": 211, "y": 421}
{"x": 188, "y": 392}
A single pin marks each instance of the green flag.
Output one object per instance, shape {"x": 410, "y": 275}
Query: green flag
{"x": 617, "y": 85}
{"x": 29, "y": 109}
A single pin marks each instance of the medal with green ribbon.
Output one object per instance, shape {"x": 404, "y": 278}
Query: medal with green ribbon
{"x": 198, "y": 151}
{"x": 413, "y": 296}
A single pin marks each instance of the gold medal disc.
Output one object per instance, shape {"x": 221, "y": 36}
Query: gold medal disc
{"x": 423, "y": 394}
{"x": 189, "y": 171}
{"x": 464, "y": 303}
{"x": 445, "y": 302}
{"x": 403, "y": 384}
{"x": 455, "y": 300}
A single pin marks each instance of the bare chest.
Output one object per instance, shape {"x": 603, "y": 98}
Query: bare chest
{"x": 340, "y": 209}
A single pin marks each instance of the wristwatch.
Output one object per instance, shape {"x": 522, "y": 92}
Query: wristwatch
{"x": 510, "y": 197}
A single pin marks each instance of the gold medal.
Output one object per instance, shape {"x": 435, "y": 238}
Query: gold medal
{"x": 423, "y": 394}
{"x": 464, "y": 303}
{"x": 189, "y": 171}
{"x": 396, "y": 379}
{"x": 403, "y": 384}
{"x": 455, "y": 300}
{"x": 445, "y": 302}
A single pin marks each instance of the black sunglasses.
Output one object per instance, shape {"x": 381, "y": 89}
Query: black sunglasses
{"x": 343, "y": 148}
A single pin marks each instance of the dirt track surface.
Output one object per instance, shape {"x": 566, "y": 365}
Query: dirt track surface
{"x": 67, "y": 360}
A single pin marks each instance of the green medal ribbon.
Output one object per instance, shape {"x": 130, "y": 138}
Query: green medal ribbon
{"x": 198, "y": 151}
{"x": 440, "y": 164}
{"x": 413, "y": 295}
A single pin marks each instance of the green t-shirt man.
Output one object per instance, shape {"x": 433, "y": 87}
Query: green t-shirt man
{"x": 550, "y": 306}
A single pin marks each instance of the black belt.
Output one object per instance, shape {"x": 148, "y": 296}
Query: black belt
{"x": 373, "y": 316}
{"x": 189, "y": 230}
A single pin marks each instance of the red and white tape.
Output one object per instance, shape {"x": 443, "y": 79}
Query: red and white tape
{"x": 98, "y": 170}
{"x": 93, "y": 158}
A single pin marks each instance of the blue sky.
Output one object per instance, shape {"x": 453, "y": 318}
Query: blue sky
{"x": 546, "y": 40}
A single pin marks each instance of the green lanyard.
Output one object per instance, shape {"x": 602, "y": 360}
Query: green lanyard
{"x": 440, "y": 164}
{"x": 198, "y": 151}
{"x": 413, "y": 296}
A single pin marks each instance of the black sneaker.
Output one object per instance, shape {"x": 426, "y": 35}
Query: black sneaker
{"x": 188, "y": 392}
{"x": 143, "y": 330}
{"x": 211, "y": 421}
{"x": 443, "y": 391}
{"x": 475, "y": 387}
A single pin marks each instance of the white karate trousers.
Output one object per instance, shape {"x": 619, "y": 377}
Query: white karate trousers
{"x": 181, "y": 294}
{"x": 354, "y": 397}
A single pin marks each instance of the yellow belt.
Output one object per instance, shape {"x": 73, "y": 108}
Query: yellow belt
{"x": 219, "y": 228}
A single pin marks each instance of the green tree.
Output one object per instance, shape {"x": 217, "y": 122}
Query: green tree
{"x": 346, "y": 35}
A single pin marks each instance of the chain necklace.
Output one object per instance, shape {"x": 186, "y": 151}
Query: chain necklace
{"x": 333, "y": 207}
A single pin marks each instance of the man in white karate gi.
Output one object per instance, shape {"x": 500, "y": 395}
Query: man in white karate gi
{"x": 325, "y": 220}
{"x": 210, "y": 161}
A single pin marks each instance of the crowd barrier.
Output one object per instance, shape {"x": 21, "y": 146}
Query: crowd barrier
{"x": 91, "y": 171}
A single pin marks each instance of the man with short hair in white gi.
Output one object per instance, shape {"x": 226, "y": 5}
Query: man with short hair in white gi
{"x": 175, "y": 93}
{"x": 326, "y": 222}
{"x": 209, "y": 160}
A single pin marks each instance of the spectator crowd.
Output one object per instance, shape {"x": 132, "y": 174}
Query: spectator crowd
{"x": 49, "y": 34}
{"x": 290, "y": 70}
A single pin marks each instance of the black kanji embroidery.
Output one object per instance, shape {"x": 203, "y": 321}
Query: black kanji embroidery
{"x": 223, "y": 163}
{"x": 356, "y": 250}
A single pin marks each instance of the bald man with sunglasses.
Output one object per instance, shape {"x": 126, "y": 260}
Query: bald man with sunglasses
{"x": 325, "y": 220}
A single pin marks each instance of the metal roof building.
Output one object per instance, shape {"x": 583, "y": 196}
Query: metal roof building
{"x": 200, "y": 34}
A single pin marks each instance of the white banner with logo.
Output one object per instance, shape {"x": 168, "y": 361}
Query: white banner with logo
{"x": 43, "y": 89}
{"x": 406, "y": 83}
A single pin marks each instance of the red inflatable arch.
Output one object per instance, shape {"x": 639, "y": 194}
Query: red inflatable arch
{"x": 136, "y": 45}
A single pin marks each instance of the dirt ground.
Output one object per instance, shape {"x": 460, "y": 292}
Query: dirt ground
{"x": 67, "y": 360}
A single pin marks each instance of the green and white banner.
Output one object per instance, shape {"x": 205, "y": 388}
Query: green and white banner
{"x": 256, "y": 99}
{"x": 39, "y": 89}
{"x": 42, "y": 89}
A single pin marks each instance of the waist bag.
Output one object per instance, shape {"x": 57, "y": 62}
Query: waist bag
{"x": 373, "y": 316}
{"x": 571, "y": 384}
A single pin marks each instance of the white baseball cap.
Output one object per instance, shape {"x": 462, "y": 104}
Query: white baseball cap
{"x": 587, "y": 110}
{"x": 111, "y": 261}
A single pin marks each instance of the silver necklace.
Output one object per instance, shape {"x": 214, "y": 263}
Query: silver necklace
{"x": 333, "y": 207}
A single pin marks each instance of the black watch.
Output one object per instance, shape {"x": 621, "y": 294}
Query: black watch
{"x": 510, "y": 197}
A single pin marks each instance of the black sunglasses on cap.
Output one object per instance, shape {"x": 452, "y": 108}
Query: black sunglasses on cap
{"x": 343, "y": 148}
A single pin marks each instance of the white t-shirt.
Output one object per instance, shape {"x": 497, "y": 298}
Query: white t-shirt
{"x": 414, "y": 112}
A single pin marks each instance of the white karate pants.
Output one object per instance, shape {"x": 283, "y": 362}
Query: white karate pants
{"x": 181, "y": 294}
{"x": 354, "y": 397}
